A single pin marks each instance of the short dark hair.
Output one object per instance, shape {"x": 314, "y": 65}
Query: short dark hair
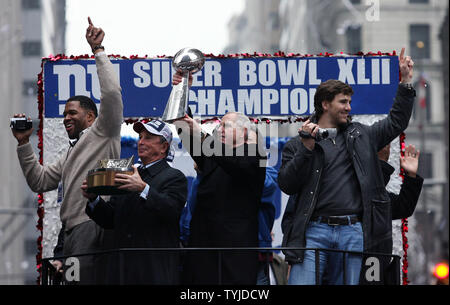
{"x": 85, "y": 103}
{"x": 326, "y": 91}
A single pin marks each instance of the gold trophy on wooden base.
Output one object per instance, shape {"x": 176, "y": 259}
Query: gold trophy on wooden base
{"x": 100, "y": 180}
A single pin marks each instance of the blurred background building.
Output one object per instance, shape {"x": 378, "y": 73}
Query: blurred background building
{"x": 29, "y": 30}
{"x": 351, "y": 26}
{"x": 257, "y": 29}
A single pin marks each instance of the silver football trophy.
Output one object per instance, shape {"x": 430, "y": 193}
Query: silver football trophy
{"x": 186, "y": 61}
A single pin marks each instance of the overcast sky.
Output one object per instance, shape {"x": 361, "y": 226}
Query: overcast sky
{"x": 150, "y": 27}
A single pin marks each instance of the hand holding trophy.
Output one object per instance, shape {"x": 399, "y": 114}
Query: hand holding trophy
{"x": 101, "y": 180}
{"x": 186, "y": 61}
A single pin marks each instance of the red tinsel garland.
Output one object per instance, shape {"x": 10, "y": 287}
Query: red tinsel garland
{"x": 40, "y": 210}
{"x": 235, "y": 55}
{"x": 217, "y": 119}
{"x": 58, "y": 57}
{"x": 404, "y": 220}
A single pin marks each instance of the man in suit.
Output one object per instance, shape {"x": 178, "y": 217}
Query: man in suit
{"x": 148, "y": 216}
{"x": 227, "y": 202}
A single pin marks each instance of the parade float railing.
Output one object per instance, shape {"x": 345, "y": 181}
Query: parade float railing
{"x": 392, "y": 277}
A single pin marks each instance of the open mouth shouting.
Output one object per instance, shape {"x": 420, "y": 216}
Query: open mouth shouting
{"x": 70, "y": 129}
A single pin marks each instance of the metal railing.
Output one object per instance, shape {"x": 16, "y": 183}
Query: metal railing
{"x": 51, "y": 277}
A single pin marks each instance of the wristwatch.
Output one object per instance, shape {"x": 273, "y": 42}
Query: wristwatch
{"x": 95, "y": 48}
{"x": 408, "y": 86}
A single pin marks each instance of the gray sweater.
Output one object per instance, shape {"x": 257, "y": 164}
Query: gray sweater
{"x": 100, "y": 141}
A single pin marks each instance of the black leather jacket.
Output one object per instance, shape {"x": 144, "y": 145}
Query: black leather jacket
{"x": 301, "y": 169}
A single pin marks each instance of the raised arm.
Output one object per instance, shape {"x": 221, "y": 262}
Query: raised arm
{"x": 191, "y": 135}
{"x": 406, "y": 67}
{"x": 388, "y": 129}
{"x": 110, "y": 115}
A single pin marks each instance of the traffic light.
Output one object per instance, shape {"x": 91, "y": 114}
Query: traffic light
{"x": 441, "y": 273}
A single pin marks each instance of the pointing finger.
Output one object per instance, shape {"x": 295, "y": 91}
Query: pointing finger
{"x": 89, "y": 30}
{"x": 402, "y": 53}
{"x": 90, "y": 21}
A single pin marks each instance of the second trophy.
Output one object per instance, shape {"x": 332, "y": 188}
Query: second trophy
{"x": 187, "y": 60}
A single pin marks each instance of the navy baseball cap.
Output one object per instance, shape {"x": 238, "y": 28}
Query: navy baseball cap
{"x": 157, "y": 127}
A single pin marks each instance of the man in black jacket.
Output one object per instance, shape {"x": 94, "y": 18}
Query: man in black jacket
{"x": 341, "y": 201}
{"x": 228, "y": 201}
{"x": 147, "y": 217}
{"x": 402, "y": 204}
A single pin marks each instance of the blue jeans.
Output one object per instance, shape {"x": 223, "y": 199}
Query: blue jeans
{"x": 341, "y": 237}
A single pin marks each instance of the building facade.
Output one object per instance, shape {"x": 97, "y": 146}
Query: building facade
{"x": 257, "y": 29}
{"x": 29, "y": 30}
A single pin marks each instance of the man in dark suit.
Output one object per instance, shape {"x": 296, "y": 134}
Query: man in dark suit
{"x": 227, "y": 203}
{"x": 148, "y": 216}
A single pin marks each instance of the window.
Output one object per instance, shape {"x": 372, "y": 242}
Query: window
{"x": 354, "y": 39}
{"x": 30, "y": 247}
{"x": 29, "y": 88}
{"x": 241, "y": 23}
{"x": 31, "y": 4}
{"x": 425, "y": 165}
{"x": 274, "y": 20}
{"x": 419, "y": 35}
{"x": 31, "y": 48}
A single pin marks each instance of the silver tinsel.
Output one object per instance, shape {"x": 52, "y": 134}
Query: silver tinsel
{"x": 56, "y": 144}
{"x": 415, "y": 252}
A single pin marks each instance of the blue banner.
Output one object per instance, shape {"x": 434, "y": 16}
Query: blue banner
{"x": 262, "y": 86}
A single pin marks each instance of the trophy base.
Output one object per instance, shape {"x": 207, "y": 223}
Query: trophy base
{"x": 101, "y": 181}
{"x": 107, "y": 190}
